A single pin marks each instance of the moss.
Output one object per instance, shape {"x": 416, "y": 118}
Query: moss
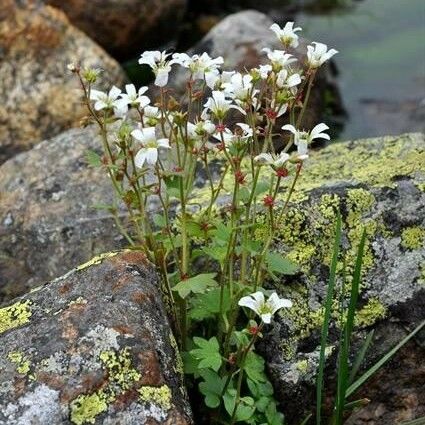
{"x": 15, "y": 315}
{"x": 120, "y": 369}
{"x": 421, "y": 186}
{"x": 160, "y": 396}
{"x": 413, "y": 237}
{"x": 85, "y": 408}
{"x": 178, "y": 367}
{"x": 21, "y": 362}
{"x": 374, "y": 310}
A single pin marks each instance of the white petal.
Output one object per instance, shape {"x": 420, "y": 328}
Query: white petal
{"x": 114, "y": 93}
{"x": 161, "y": 79}
{"x": 319, "y": 128}
{"x": 249, "y": 303}
{"x": 163, "y": 143}
{"x": 266, "y": 318}
{"x": 151, "y": 156}
{"x": 140, "y": 158}
{"x": 131, "y": 90}
{"x": 290, "y": 128}
{"x": 137, "y": 134}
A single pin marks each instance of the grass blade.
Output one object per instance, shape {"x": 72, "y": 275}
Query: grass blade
{"x": 359, "y": 382}
{"x": 326, "y": 320}
{"x": 306, "y": 419}
{"x": 419, "y": 421}
{"x": 348, "y": 330}
{"x": 360, "y": 356}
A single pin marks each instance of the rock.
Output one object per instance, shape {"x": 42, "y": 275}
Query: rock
{"x": 123, "y": 28}
{"x": 93, "y": 346}
{"x": 239, "y": 38}
{"x": 379, "y": 186}
{"x": 39, "y": 96}
{"x": 48, "y": 223}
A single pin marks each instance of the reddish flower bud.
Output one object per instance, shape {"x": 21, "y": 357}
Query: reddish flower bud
{"x": 253, "y": 330}
{"x": 240, "y": 177}
{"x": 270, "y": 114}
{"x": 282, "y": 172}
{"x": 268, "y": 201}
{"x": 220, "y": 128}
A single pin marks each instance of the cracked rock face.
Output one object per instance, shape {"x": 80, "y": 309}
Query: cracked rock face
{"x": 93, "y": 346}
{"x": 378, "y": 185}
{"x": 40, "y": 98}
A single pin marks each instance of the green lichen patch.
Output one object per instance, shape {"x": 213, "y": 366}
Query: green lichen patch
{"x": 20, "y": 360}
{"x": 161, "y": 396}
{"x": 373, "y": 311}
{"x": 15, "y": 315}
{"x": 413, "y": 237}
{"x": 85, "y": 408}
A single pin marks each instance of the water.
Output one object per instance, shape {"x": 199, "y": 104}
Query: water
{"x": 381, "y": 64}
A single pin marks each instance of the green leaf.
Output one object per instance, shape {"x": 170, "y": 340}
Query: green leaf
{"x": 197, "y": 284}
{"x": 254, "y": 367}
{"x": 278, "y": 264}
{"x": 211, "y": 387}
{"x": 159, "y": 220}
{"x": 206, "y": 306}
{"x": 93, "y": 158}
{"x": 218, "y": 253}
{"x": 172, "y": 183}
{"x": 326, "y": 319}
{"x": 222, "y": 232}
{"x": 208, "y": 353}
{"x": 194, "y": 229}
{"x": 245, "y": 409}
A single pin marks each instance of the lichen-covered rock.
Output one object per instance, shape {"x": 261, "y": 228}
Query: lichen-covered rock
{"x": 239, "y": 38}
{"x": 92, "y": 347}
{"x": 39, "y": 96}
{"x": 378, "y": 184}
{"x": 123, "y": 26}
{"x": 48, "y": 219}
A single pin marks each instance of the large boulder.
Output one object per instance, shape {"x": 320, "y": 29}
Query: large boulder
{"x": 39, "y": 96}
{"x": 48, "y": 222}
{"x": 123, "y": 27}
{"x": 239, "y": 38}
{"x": 92, "y": 347}
{"x": 378, "y": 184}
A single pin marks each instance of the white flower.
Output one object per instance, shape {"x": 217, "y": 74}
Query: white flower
{"x": 284, "y": 80}
{"x": 215, "y": 79}
{"x": 279, "y": 58}
{"x": 264, "y": 71}
{"x": 200, "y": 129}
{"x": 218, "y": 104}
{"x": 303, "y": 138}
{"x": 230, "y": 137}
{"x": 109, "y": 100}
{"x": 150, "y": 145}
{"x": 151, "y": 115}
{"x": 273, "y": 160}
{"x": 159, "y": 64}
{"x": 239, "y": 86}
{"x": 132, "y": 97}
{"x": 265, "y": 309}
{"x": 199, "y": 66}
{"x": 287, "y": 34}
{"x": 319, "y": 54}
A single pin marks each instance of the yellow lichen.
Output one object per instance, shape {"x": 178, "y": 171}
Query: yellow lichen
{"x": 302, "y": 366}
{"x": 85, "y": 408}
{"x": 97, "y": 260}
{"x": 413, "y": 238}
{"x": 161, "y": 396}
{"x": 370, "y": 313}
{"x": 21, "y": 362}
{"x": 15, "y": 315}
{"x": 120, "y": 369}
{"x": 121, "y": 377}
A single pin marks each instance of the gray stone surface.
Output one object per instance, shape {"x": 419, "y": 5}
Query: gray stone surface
{"x": 122, "y": 27}
{"x": 40, "y": 98}
{"x": 48, "y": 222}
{"x": 93, "y": 346}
